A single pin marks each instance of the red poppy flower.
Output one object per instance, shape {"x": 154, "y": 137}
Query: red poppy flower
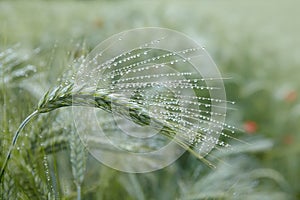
{"x": 291, "y": 96}
{"x": 250, "y": 127}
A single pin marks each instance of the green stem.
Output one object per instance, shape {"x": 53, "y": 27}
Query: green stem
{"x": 14, "y": 140}
{"x": 78, "y": 191}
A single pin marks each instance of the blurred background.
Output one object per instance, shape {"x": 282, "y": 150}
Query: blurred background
{"x": 256, "y": 43}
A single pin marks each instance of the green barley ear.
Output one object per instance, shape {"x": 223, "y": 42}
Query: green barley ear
{"x": 13, "y": 66}
{"x": 7, "y": 189}
{"x": 141, "y": 98}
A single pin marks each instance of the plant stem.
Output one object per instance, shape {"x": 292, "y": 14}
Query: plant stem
{"x": 14, "y": 140}
{"x": 78, "y": 191}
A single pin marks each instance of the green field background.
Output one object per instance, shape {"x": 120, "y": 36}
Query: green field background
{"x": 255, "y": 43}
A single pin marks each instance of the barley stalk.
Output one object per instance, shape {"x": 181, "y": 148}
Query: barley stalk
{"x": 14, "y": 140}
{"x": 78, "y": 161}
{"x": 68, "y": 96}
